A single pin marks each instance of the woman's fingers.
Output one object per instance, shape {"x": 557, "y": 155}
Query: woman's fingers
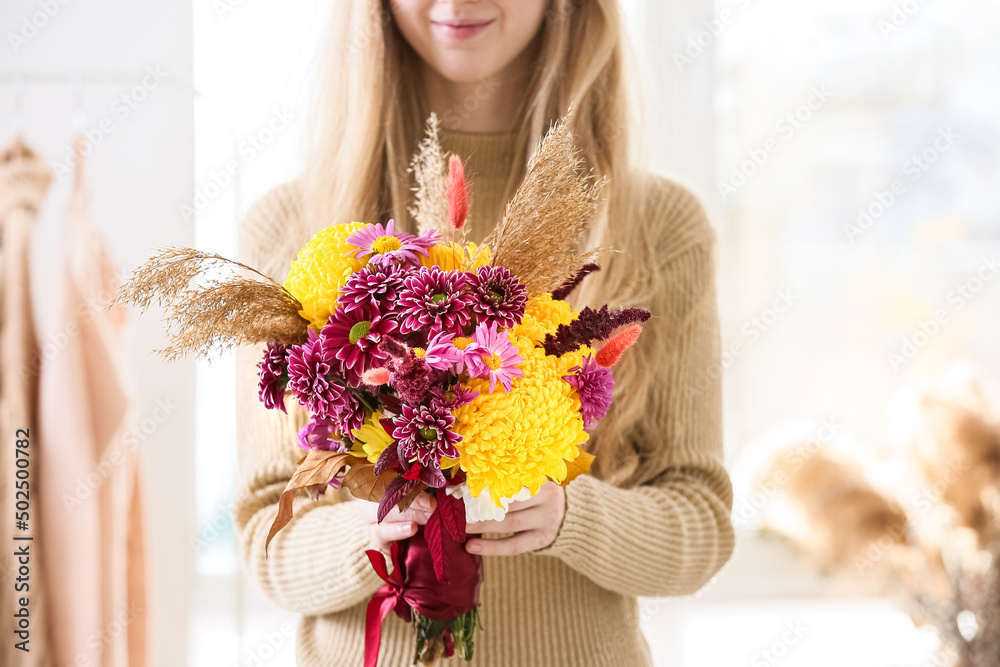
{"x": 525, "y": 518}
{"x": 382, "y": 535}
{"x": 520, "y": 543}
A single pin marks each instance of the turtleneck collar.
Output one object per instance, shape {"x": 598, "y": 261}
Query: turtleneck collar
{"x": 488, "y": 158}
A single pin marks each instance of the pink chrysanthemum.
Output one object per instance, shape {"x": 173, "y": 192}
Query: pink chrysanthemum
{"x": 435, "y": 300}
{"x": 373, "y": 285}
{"x": 321, "y": 433}
{"x": 273, "y": 377}
{"x": 498, "y": 297}
{"x": 424, "y": 434}
{"x": 495, "y": 357}
{"x": 387, "y": 246}
{"x": 312, "y": 377}
{"x": 440, "y": 354}
{"x": 594, "y": 384}
{"x": 453, "y": 397}
{"x": 354, "y": 337}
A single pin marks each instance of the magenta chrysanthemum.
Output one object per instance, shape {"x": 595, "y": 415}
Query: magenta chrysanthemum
{"x": 440, "y": 354}
{"x": 354, "y": 337}
{"x": 453, "y": 397}
{"x": 387, "y": 246}
{"x": 321, "y": 433}
{"x": 498, "y": 297}
{"x": 312, "y": 377}
{"x": 424, "y": 434}
{"x": 273, "y": 377}
{"x": 435, "y": 300}
{"x": 373, "y": 285}
{"x": 495, "y": 357}
{"x": 594, "y": 384}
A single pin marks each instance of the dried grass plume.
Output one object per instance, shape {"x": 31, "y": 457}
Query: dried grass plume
{"x": 430, "y": 208}
{"x": 210, "y": 306}
{"x": 541, "y": 234}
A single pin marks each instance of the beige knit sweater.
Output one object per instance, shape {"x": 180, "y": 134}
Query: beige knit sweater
{"x": 571, "y": 604}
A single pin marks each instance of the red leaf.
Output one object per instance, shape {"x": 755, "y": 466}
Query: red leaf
{"x": 393, "y": 493}
{"x": 452, "y": 512}
{"x": 435, "y": 536}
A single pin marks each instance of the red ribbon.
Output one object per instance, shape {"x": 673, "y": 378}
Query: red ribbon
{"x": 413, "y": 585}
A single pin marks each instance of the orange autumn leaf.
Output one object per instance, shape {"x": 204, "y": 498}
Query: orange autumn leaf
{"x": 318, "y": 467}
{"x": 363, "y": 483}
{"x": 578, "y": 466}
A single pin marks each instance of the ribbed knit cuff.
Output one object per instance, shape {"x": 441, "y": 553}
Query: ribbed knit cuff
{"x": 580, "y": 522}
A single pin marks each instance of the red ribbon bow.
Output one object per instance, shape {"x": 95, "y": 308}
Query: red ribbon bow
{"x": 386, "y": 598}
{"x": 414, "y": 586}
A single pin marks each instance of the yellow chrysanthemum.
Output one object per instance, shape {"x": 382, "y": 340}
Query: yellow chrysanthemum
{"x": 451, "y": 256}
{"x": 518, "y": 439}
{"x": 371, "y": 439}
{"x": 321, "y": 269}
{"x": 542, "y": 316}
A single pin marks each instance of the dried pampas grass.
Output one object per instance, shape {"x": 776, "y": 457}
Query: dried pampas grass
{"x": 845, "y": 513}
{"x": 540, "y": 236}
{"x": 958, "y": 450}
{"x": 210, "y": 307}
{"x": 430, "y": 208}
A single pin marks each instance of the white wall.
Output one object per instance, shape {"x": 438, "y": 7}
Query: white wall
{"x": 139, "y": 172}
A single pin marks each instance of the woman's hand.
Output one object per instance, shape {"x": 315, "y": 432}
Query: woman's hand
{"x": 396, "y": 525}
{"x": 535, "y": 523}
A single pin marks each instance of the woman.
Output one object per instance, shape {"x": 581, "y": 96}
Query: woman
{"x": 563, "y": 570}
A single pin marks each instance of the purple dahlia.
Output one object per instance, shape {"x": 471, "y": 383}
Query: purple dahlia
{"x": 435, "y": 300}
{"x": 313, "y": 378}
{"x": 424, "y": 434}
{"x": 354, "y": 338}
{"x": 497, "y": 296}
{"x": 273, "y": 377}
{"x": 373, "y": 285}
{"x": 594, "y": 384}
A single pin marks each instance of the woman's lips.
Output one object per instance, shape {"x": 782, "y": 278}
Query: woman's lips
{"x": 461, "y": 29}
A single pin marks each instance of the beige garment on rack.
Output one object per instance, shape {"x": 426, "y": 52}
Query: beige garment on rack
{"x": 24, "y": 180}
{"x": 92, "y": 497}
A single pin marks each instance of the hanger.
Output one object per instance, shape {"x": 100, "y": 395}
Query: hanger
{"x": 17, "y": 117}
{"x": 79, "y": 126}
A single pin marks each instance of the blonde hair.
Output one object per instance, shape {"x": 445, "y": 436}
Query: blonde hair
{"x": 370, "y": 115}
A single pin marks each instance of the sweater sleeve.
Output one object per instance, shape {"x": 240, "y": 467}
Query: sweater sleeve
{"x": 671, "y": 535}
{"x": 316, "y": 564}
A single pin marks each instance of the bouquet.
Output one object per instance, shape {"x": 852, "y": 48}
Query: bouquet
{"x": 426, "y": 364}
